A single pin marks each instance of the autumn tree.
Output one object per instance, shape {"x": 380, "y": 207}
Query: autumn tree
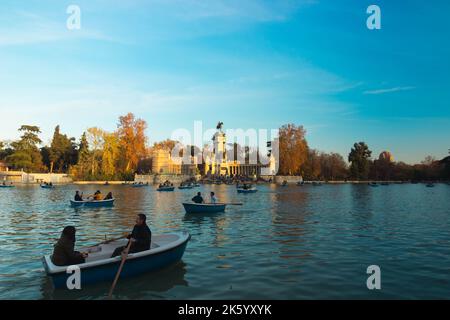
{"x": 333, "y": 166}
{"x": 359, "y": 158}
{"x": 293, "y": 149}
{"x": 110, "y": 153}
{"x": 132, "y": 141}
{"x": 95, "y": 141}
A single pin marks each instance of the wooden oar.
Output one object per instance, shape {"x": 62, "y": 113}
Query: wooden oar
{"x": 108, "y": 241}
{"x": 232, "y": 203}
{"x": 124, "y": 258}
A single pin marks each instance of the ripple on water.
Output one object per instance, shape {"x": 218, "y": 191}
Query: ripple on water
{"x": 283, "y": 243}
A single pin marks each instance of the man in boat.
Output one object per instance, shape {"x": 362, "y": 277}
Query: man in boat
{"x": 213, "y": 198}
{"x": 78, "y": 196}
{"x": 140, "y": 237}
{"x": 64, "y": 253}
{"x": 198, "y": 198}
{"x": 109, "y": 196}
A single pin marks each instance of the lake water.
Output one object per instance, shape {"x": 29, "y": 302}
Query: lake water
{"x": 283, "y": 243}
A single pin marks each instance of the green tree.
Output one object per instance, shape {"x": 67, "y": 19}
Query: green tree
{"x": 83, "y": 162}
{"x": 359, "y": 158}
{"x": 5, "y": 150}
{"x": 62, "y": 152}
{"x": 26, "y": 153}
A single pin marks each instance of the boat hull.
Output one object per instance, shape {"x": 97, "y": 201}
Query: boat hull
{"x": 7, "y": 187}
{"x": 133, "y": 267}
{"x": 247, "y": 191}
{"x": 166, "y": 189}
{"x": 92, "y": 204}
{"x": 203, "y": 208}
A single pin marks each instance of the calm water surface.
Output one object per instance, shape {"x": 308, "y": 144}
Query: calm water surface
{"x": 283, "y": 243}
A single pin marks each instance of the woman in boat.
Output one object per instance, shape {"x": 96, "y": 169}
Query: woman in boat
{"x": 140, "y": 237}
{"x": 64, "y": 253}
{"x": 214, "y": 199}
{"x": 198, "y": 198}
{"x": 109, "y": 196}
{"x": 78, "y": 197}
{"x": 98, "y": 195}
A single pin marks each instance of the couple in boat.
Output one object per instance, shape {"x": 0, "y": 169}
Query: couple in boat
{"x": 64, "y": 253}
{"x": 166, "y": 184}
{"x": 97, "y": 196}
{"x": 199, "y": 199}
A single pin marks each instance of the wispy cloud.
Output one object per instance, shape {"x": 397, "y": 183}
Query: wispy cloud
{"x": 389, "y": 90}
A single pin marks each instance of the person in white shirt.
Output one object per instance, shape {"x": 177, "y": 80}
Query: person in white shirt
{"x": 214, "y": 198}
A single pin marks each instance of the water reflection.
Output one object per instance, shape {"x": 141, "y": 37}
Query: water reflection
{"x": 147, "y": 286}
{"x": 291, "y": 242}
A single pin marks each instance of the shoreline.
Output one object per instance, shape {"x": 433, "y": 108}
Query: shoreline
{"x": 290, "y": 183}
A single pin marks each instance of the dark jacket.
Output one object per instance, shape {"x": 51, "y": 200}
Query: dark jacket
{"x": 64, "y": 253}
{"x": 143, "y": 237}
{"x": 197, "y": 199}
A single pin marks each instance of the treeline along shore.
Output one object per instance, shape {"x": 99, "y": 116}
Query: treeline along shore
{"x": 99, "y": 155}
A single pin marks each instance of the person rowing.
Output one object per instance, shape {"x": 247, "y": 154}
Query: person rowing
{"x": 64, "y": 253}
{"x": 109, "y": 196}
{"x": 140, "y": 237}
{"x": 198, "y": 198}
{"x": 78, "y": 196}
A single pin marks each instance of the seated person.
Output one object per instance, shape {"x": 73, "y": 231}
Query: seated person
{"x": 64, "y": 253}
{"x": 214, "y": 198}
{"x": 78, "y": 197}
{"x": 98, "y": 195}
{"x": 109, "y": 196}
{"x": 140, "y": 237}
{"x": 198, "y": 198}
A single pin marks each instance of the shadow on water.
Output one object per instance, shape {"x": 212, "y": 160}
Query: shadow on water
{"x": 147, "y": 286}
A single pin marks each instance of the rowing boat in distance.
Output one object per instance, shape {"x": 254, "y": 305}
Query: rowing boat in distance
{"x": 93, "y": 203}
{"x": 139, "y": 185}
{"x": 47, "y": 186}
{"x": 249, "y": 190}
{"x": 204, "y": 207}
{"x": 2, "y": 186}
{"x": 166, "y": 249}
{"x": 166, "y": 188}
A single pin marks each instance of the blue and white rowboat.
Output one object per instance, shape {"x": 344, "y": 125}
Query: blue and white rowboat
{"x": 251, "y": 190}
{"x": 166, "y": 189}
{"x": 93, "y": 203}
{"x": 139, "y": 185}
{"x": 165, "y": 250}
{"x": 47, "y": 186}
{"x": 204, "y": 207}
{"x": 185, "y": 187}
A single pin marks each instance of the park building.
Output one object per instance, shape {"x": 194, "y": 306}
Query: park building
{"x": 216, "y": 163}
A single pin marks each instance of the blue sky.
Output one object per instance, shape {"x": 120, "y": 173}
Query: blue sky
{"x": 251, "y": 64}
